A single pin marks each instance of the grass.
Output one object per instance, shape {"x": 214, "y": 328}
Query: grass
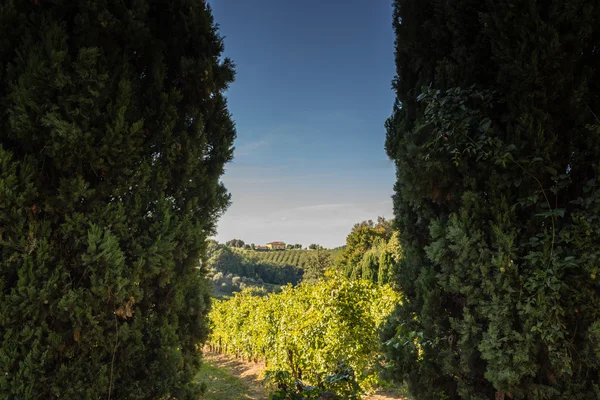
{"x": 227, "y": 378}
{"x": 223, "y": 383}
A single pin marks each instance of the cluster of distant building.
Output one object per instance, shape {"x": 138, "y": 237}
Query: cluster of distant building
{"x": 238, "y": 243}
{"x": 272, "y": 246}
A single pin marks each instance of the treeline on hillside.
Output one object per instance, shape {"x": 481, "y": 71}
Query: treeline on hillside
{"x": 240, "y": 244}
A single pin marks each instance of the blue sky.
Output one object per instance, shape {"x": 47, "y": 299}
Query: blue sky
{"x": 312, "y": 92}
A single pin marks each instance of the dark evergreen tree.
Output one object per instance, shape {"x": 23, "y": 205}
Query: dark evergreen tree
{"x": 385, "y": 267}
{"x": 496, "y": 139}
{"x": 114, "y": 132}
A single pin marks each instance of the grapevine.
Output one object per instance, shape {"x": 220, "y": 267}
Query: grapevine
{"x": 307, "y": 330}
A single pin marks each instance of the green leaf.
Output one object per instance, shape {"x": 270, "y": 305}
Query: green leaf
{"x": 556, "y": 212}
{"x": 484, "y": 126}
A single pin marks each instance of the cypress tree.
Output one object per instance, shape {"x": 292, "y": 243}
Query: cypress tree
{"x": 496, "y": 139}
{"x": 385, "y": 268}
{"x": 114, "y": 132}
{"x": 370, "y": 266}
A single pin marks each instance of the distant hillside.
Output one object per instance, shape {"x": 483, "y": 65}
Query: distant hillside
{"x": 233, "y": 269}
{"x": 295, "y": 258}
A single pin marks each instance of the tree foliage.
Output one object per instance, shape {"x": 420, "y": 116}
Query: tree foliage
{"x": 495, "y": 137}
{"x": 114, "y": 132}
{"x": 371, "y": 248}
{"x": 364, "y": 235}
{"x": 225, "y": 284}
{"x": 236, "y": 243}
{"x": 315, "y": 267}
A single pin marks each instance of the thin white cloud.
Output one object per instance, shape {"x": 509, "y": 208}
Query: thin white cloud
{"x": 322, "y": 207}
{"x": 246, "y": 149}
{"x": 253, "y": 181}
{"x": 275, "y": 136}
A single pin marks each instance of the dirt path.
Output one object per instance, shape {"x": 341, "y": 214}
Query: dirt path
{"x": 250, "y": 376}
{"x": 383, "y": 395}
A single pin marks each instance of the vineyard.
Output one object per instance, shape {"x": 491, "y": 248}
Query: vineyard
{"x": 308, "y": 330}
{"x": 295, "y": 258}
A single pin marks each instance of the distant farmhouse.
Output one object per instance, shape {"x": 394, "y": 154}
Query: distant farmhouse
{"x": 276, "y": 245}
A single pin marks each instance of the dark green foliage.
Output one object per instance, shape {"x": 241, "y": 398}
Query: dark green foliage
{"x": 370, "y": 266}
{"x": 211, "y": 247}
{"x": 113, "y": 135}
{"x": 226, "y": 284}
{"x": 386, "y": 265}
{"x": 496, "y": 139}
{"x": 236, "y": 243}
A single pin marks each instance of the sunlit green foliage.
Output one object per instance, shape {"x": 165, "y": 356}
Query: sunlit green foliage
{"x": 363, "y": 237}
{"x": 307, "y": 330}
